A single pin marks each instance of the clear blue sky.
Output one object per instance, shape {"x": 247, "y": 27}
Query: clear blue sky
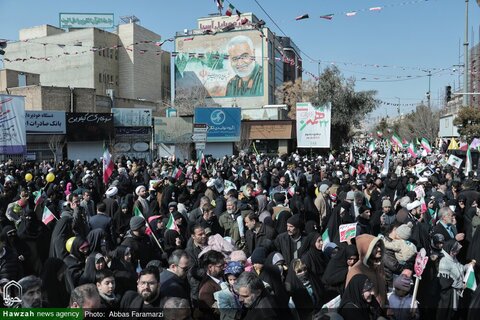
{"x": 411, "y": 34}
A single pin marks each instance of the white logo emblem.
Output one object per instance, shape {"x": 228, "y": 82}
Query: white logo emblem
{"x": 217, "y": 117}
{"x": 12, "y": 294}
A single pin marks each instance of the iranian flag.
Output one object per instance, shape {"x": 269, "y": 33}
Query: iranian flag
{"x": 171, "y": 225}
{"x": 350, "y": 157}
{"x": 396, "y": 140}
{"x": 468, "y": 162}
{"x": 137, "y": 212}
{"x": 200, "y": 161}
{"x": 108, "y": 165}
{"x": 379, "y": 134}
{"x": 371, "y": 147}
{"x": 47, "y": 216}
{"x": 177, "y": 173}
{"x": 426, "y": 145}
{"x": 351, "y": 170}
{"x": 469, "y": 278}
{"x": 412, "y": 149}
{"x": 230, "y": 9}
{"x": 325, "y": 238}
{"x": 39, "y": 197}
{"x": 331, "y": 158}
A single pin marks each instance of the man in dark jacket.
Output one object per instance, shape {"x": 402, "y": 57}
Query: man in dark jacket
{"x": 255, "y": 298}
{"x": 289, "y": 242}
{"x": 257, "y": 234}
{"x": 173, "y": 281}
{"x": 194, "y": 246}
{"x": 102, "y": 221}
{"x": 147, "y": 295}
{"x": 143, "y": 249}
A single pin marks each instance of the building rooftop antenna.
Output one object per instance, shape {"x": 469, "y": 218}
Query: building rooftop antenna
{"x": 129, "y": 19}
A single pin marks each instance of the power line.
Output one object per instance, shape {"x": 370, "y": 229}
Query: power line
{"x": 301, "y": 51}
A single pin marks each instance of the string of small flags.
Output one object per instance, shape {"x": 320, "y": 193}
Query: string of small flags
{"x": 378, "y": 101}
{"x": 352, "y": 13}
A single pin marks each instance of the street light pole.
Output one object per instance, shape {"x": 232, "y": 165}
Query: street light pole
{"x": 398, "y": 107}
{"x": 429, "y": 82}
{"x": 465, "y": 44}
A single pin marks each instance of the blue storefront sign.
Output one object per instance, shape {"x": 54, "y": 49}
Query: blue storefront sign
{"x": 223, "y": 123}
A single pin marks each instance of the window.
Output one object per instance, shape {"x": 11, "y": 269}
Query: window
{"x": 111, "y": 53}
{"x": 116, "y": 54}
{"x": 100, "y": 77}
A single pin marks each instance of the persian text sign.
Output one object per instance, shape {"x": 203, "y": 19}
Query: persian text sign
{"x": 313, "y": 125}
{"x": 45, "y": 122}
{"x": 86, "y": 20}
{"x": 347, "y": 231}
{"x": 13, "y": 139}
{"x": 223, "y": 123}
{"x": 89, "y": 126}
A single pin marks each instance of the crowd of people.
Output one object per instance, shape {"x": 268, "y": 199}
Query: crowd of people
{"x": 244, "y": 237}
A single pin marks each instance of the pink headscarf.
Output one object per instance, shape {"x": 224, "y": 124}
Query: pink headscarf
{"x": 68, "y": 189}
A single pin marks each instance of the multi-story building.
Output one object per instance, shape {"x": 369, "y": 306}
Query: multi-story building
{"x": 237, "y": 61}
{"x": 125, "y": 63}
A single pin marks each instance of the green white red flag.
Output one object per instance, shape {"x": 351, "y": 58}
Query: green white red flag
{"x": 426, "y": 145}
{"x": 108, "y": 165}
{"x": 171, "y": 225}
{"x": 371, "y": 147}
{"x": 396, "y": 140}
{"x": 412, "y": 149}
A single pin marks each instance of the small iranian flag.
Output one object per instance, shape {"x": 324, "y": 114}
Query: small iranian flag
{"x": 396, "y": 140}
{"x": 469, "y": 278}
{"x": 200, "y": 161}
{"x": 331, "y": 158}
{"x": 379, "y": 134}
{"x": 327, "y": 16}
{"x": 371, "y": 147}
{"x": 468, "y": 162}
{"x": 350, "y": 157}
{"x": 325, "y": 238}
{"x": 426, "y": 145}
{"x": 304, "y": 16}
{"x": 351, "y": 170}
{"x": 137, "y": 212}
{"x": 108, "y": 165}
{"x": 412, "y": 149}
{"x": 171, "y": 225}
{"x": 47, "y": 216}
{"x": 230, "y": 9}
{"x": 39, "y": 197}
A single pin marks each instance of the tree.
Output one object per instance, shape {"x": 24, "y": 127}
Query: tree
{"x": 348, "y": 107}
{"x": 468, "y": 122}
{"x": 55, "y": 144}
{"x": 186, "y": 99}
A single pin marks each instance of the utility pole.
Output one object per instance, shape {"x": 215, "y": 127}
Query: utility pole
{"x": 465, "y": 54}
{"x": 429, "y": 83}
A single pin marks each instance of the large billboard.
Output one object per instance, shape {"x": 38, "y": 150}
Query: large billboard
{"x": 227, "y": 65}
{"x": 313, "y": 125}
{"x": 13, "y": 139}
{"x": 132, "y": 117}
{"x": 45, "y": 122}
{"x": 223, "y": 123}
{"x": 172, "y": 130}
{"x": 86, "y": 20}
{"x": 89, "y": 126}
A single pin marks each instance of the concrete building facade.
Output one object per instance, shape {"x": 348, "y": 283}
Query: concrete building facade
{"x": 124, "y": 64}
